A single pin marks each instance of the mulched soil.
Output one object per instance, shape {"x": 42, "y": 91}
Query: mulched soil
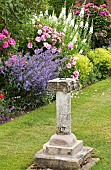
{"x": 11, "y": 117}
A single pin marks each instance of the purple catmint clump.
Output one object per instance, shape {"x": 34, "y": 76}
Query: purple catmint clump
{"x": 25, "y": 78}
{"x": 33, "y": 72}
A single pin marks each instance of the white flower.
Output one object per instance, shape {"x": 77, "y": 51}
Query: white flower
{"x": 75, "y": 38}
{"x": 63, "y": 13}
{"x": 81, "y": 24}
{"x": 81, "y": 51}
{"x": 91, "y": 30}
{"x": 68, "y": 20}
{"x": 81, "y": 13}
{"x": 41, "y": 14}
{"x": 76, "y": 27}
{"x": 54, "y": 18}
{"x": 72, "y": 22}
{"x": 84, "y": 40}
{"x": 46, "y": 13}
{"x": 86, "y": 24}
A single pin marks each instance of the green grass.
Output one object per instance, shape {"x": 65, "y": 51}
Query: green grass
{"x": 21, "y": 138}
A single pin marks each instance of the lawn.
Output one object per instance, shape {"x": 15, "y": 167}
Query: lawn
{"x": 21, "y": 138}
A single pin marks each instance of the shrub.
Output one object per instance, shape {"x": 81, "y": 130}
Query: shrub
{"x": 101, "y": 60}
{"x": 44, "y": 36}
{"x": 7, "y": 45}
{"x": 25, "y": 78}
{"x": 85, "y": 68}
{"x": 101, "y": 22}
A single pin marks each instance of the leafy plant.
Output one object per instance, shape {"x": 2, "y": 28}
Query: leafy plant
{"x": 25, "y": 78}
{"x": 101, "y": 22}
{"x": 101, "y": 60}
{"x": 85, "y": 68}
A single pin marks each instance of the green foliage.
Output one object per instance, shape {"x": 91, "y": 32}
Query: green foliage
{"x": 58, "y": 4}
{"x": 101, "y": 59}
{"x": 101, "y": 23}
{"x": 15, "y": 13}
{"x": 85, "y": 68}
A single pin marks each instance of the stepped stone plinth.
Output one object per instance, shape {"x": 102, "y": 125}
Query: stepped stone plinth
{"x": 63, "y": 151}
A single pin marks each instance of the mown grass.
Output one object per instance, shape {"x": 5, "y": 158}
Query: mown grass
{"x": 21, "y": 138}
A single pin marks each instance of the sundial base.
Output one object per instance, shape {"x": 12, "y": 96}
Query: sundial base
{"x": 76, "y": 161}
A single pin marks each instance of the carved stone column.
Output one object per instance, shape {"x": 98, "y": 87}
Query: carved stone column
{"x": 63, "y": 151}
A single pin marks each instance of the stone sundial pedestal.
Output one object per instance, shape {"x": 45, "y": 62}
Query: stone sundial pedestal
{"x": 63, "y": 151}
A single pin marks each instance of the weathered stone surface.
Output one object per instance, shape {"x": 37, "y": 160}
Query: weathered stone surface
{"x": 63, "y": 85}
{"x": 63, "y": 113}
{"x": 63, "y": 140}
{"x": 62, "y": 150}
{"x": 87, "y": 166}
{"x": 58, "y": 162}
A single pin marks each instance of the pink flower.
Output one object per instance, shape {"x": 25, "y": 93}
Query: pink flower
{"x": 68, "y": 65}
{"x": 46, "y": 45}
{"x": 2, "y": 36}
{"x": 11, "y": 41}
{"x": 40, "y": 26}
{"x": 38, "y": 39}
{"x": 45, "y": 28}
{"x": 75, "y": 74}
{"x": 70, "y": 45}
{"x": 54, "y": 49}
{"x": 59, "y": 50}
{"x": 5, "y": 44}
{"x": 29, "y": 45}
{"x": 5, "y": 32}
{"x": 62, "y": 34}
{"x": 14, "y": 56}
{"x": 72, "y": 61}
{"x": 54, "y": 36}
{"x": 43, "y": 38}
{"x": 39, "y": 32}
{"x": 103, "y": 31}
{"x": 86, "y": 10}
{"x": 46, "y": 35}
{"x": 101, "y": 34}
{"x": 90, "y": 15}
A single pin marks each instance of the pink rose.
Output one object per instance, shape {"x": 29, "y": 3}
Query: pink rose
{"x": 5, "y": 44}
{"x": 29, "y": 45}
{"x": 5, "y": 32}
{"x": 14, "y": 56}
{"x": 11, "y": 41}
{"x": 72, "y": 61}
{"x": 46, "y": 35}
{"x": 46, "y": 45}
{"x": 45, "y": 28}
{"x": 62, "y": 34}
{"x": 75, "y": 74}
{"x": 2, "y": 36}
{"x": 103, "y": 31}
{"x": 101, "y": 34}
{"x": 43, "y": 38}
{"x": 54, "y": 49}
{"x": 39, "y": 32}
{"x": 68, "y": 65}
{"x": 59, "y": 50}
{"x": 70, "y": 45}
{"x": 39, "y": 25}
{"x": 38, "y": 39}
